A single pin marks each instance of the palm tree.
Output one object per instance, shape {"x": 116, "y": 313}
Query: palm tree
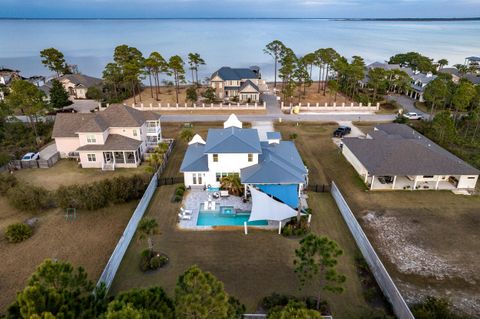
{"x": 233, "y": 184}
{"x": 147, "y": 227}
{"x": 441, "y": 63}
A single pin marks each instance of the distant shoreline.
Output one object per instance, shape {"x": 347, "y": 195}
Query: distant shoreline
{"x": 213, "y": 18}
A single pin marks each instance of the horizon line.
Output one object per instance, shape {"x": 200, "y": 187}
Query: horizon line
{"x": 249, "y": 18}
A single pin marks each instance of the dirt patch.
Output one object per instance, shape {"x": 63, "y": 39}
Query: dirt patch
{"x": 312, "y": 95}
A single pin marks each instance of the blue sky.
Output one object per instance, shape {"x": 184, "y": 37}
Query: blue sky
{"x": 238, "y": 8}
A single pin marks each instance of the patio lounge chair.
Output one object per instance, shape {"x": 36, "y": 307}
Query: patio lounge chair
{"x": 224, "y": 194}
{"x": 184, "y": 217}
{"x": 185, "y": 211}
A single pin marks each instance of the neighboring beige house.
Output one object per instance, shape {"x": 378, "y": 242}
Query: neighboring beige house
{"x": 116, "y": 137}
{"x": 395, "y": 156}
{"x": 246, "y": 84}
{"x": 76, "y": 85}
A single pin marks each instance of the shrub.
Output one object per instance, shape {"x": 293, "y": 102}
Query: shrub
{"x": 433, "y": 307}
{"x": 294, "y": 229}
{"x": 279, "y": 300}
{"x": 18, "y": 232}
{"x": 7, "y": 181}
{"x": 179, "y": 192}
{"x": 150, "y": 260}
{"x": 177, "y": 198}
{"x": 29, "y": 198}
{"x": 293, "y": 136}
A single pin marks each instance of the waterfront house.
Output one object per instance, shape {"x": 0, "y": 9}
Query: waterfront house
{"x": 395, "y": 156}
{"x": 244, "y": 83}
{"x": 76, "y": 85}
{"x": 271, "y": 169}
{"x": 116, "y": 137}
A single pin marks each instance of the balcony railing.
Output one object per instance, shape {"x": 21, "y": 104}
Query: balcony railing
{"x": 153, "y": 129}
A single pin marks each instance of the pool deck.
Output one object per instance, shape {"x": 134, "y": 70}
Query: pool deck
{"x": 195, "y": 197}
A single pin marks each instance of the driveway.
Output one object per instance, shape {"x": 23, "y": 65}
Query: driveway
{"x": 263, "y": 127}
{"x": 48, "y": 151}
{"x": 356, "y": 132}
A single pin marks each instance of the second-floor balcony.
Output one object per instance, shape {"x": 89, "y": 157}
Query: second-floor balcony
{"x": 153, "y": 129}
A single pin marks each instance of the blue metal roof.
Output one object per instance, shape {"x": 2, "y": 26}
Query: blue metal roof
{"x": 278, "y": 164}
{"x": 195, "y": 159}
{"x": 228, "y": 73}
{"x": 274, "y": 136}
{"x": 233, "y": 140}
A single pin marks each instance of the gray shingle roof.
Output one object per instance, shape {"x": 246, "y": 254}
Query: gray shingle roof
{"x": 195, "y": 159}
{"x": 247, "y": 83}
{"x": 396, "y": 149}
{"x": 117, "y": 115}
{"x": 227, "y": 73}
{"x": 82, "y": 80}
{"x": 278, "y": 164}
{"x": 67, "y": 124}
{"x": 233, "y": 140}
{"x": 114, "y": 142}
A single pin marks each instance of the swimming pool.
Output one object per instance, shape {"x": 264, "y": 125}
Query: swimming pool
{"x": 226, "y": 216}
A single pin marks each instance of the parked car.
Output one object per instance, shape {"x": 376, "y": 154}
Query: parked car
{"x": 31, "y": 156}
{"x": 413, "y": 116}
{"x": 342, "y": 131}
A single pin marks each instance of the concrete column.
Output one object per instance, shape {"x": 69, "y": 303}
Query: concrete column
{"x": 366, "y": 177}
{"x": 415, "y": 183}
{"x": 280, "y": 227}
{"x": 124, "y": 158}
{"x": 438, "y": 181}
{"x": 245, "y": 229}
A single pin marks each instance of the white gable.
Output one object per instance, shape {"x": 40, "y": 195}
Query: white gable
{"x": 197, "y": 139}
{"x": 232, "y": 121}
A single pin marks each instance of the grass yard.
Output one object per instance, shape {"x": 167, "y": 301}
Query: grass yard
{"x": 67, "y": 172}
{"x": 251, "y": 266}
{"x": 88, "y": 242}
{"x": 417, "y": 234}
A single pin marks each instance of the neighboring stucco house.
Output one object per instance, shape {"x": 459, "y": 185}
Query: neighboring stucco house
{"x": 395, "y": 156}
{"x": 418, "y": 80}
{"x": 76, "y": 85}
{"x": 246, "y": 84}
{"x": 116, "y": 137}
{"x": 272, "y": 166}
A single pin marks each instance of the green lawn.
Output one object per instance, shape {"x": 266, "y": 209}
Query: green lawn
{"x": 67, "y": 172}
{"x": 251, "y": 266}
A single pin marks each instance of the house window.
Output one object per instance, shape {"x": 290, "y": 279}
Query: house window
{"x": 250, "y": 157}
{"x": 472, "y": 177}
{"x": 91, "y": 157}
{"x": 91, "y": 138}
{"x": 134, "y": 132}
{"x": 194, "y": 178}
{"x": 215, "y": 157}
{"x": 218, "y": 177}
{"x": 427, "y": 176}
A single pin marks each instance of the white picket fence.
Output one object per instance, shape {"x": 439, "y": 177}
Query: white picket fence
{"x": 343, "y": 107}
{"x": 199, "y": 106}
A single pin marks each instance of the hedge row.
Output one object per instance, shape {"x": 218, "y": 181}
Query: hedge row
{"x": 90, "y": 196}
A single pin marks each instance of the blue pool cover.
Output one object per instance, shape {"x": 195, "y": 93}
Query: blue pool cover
{"x": 288, "y": 193}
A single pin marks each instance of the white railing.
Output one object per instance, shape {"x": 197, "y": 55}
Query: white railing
{"x": 199, "y": 106}
{"x": 385, "y": 282}
{"x": 343, "y": 107}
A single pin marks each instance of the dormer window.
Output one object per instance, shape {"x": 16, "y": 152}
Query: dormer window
{"x": 250, "y": 157}
{"x": 134, "y": 132}
{"x": 91, "y": 138}
{"x": 215, "y": 157}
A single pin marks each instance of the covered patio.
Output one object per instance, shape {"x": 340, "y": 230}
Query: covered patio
{"x": 409, "y": 183}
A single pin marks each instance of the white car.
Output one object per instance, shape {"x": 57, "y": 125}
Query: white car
{"x": 31, "y": 156}
{"x": 413, "y": 116}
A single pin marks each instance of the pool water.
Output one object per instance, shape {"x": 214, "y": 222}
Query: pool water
{"x": 226, "y": 216}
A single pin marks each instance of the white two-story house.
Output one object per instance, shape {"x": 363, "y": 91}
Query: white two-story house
{"x": 272, "y": 166}
{"x": 246, "y": 84}
{"x": 116, "y": 137}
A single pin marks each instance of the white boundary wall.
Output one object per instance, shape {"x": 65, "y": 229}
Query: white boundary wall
{"x": 400, "y": 307}
{"x": 316, "y": 107}
{"x": 199, "y": 106}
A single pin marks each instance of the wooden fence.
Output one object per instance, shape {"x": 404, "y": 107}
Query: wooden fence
{"x": 40, "y": 163}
